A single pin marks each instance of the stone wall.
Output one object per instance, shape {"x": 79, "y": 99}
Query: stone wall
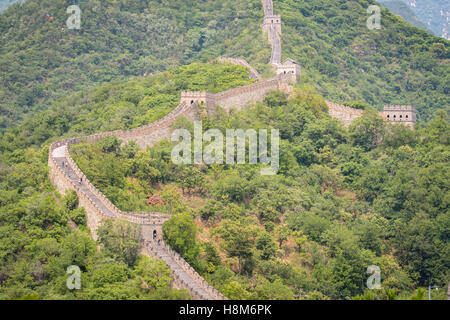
{"x": 254, "y": 74}
{"x": 405, "y": 115}
{"x": 240, "y": 98}
{"x": 98, "y": 208}
{"x": 199, "y": 288}
{"x": 343, "y": 113}
{"x": 268, "y": 7}
{"x": 400, "y": 114}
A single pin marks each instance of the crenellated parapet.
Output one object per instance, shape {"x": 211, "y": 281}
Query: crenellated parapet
{"x": 268, "y": 7}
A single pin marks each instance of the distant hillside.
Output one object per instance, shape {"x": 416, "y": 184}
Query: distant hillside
{"x": 41, "y": 60}
{"x": 4, "y": 4}
{"x": 435, "y": 14}
{"x": 403, "y": 10}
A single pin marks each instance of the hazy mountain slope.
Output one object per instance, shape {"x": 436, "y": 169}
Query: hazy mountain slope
{"x": 40, "y": 60}
{"x": 435, "y": 14}
{"x": 403, "y": 10}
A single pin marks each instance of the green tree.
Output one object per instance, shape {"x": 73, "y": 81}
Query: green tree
{"x": 120, "y": 240}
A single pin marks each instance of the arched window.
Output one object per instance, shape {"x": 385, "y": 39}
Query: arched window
{"x": 192, "y": 101}
{"x": 406, "y": 116}
{"x": 388, "y": 116}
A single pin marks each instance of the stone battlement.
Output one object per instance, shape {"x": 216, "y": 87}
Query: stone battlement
{"x": 66, "y": 175}
{"x": 274, "y": 20}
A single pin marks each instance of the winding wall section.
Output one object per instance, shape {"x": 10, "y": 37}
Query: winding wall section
{"x": 66, "y": 175}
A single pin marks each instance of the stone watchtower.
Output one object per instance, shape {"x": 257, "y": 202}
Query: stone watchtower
{"x": 405, "y": 115}
{"x": 272, "y": 22}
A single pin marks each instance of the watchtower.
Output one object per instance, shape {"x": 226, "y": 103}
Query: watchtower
{"x": 401, "y": 114}
{"x": 200, "y": 98}
{"x": 290, "y": 67}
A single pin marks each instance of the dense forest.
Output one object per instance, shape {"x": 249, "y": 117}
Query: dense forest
{"x": 41, "y": 60}
{"x": 369, "y": 194}
{"x": 374, "y": 194}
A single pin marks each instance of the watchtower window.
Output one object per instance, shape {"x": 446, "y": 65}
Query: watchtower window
{"x": 406, "y": 116}
{"x": 272, "y": 21}
{"x": 401, "y": 116}
{"x": 192, "y": 101}
{"x": 388, "y": 116}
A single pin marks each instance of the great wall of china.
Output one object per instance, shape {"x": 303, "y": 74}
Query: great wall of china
{"x": 66, "y": 175}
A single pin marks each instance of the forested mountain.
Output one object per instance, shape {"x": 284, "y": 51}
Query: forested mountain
{"x": 402, "y": 9}
{"x": 42, "y": 60}
{"x": 344, "y": 199}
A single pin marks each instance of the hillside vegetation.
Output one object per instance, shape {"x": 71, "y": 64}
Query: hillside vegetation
{"x": 4, "y": 4}
{"x": 41, "y": 60}
{"x": 345, "y": 199}
{"x": 42, "y": 234}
